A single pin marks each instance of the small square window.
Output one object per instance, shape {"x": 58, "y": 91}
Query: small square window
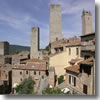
{"x": 34, "y": 72}
{"x": 26, "y": 72}
{"x": 20, "y": 73}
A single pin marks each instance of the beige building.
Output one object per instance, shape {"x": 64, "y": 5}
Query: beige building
{"x": 62, "y": 57}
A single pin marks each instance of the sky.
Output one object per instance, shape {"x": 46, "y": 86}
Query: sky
{"x": 17, "y": 17}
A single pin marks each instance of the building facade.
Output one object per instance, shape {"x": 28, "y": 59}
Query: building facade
{"x": 32, "y": 68}
{"x": 88, "y": 45}
{"x": 62, "y": 57}
{"x": 80, "y": 77}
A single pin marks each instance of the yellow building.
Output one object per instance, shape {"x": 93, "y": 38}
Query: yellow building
{"x": 71, "y": 52}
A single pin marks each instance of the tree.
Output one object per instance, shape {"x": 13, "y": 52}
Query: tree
{"x": 54, "y": 91}
{"x": 60, "y": 79}
{"x": 26, "y": 87}
{"x": 47, "y": 48}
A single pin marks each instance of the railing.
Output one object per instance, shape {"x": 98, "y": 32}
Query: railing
{"x": 87, "y": 43}
{"x": 88, "y": 47}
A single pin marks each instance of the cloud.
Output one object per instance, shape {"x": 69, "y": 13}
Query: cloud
{"x": 74, "y": 6}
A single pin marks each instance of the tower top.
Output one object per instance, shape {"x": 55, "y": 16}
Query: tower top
{"x": 84, "y": 12}
{"x": 55, "y": 5}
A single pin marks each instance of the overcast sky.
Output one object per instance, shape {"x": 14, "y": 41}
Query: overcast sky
{"x": 18, "y": 16}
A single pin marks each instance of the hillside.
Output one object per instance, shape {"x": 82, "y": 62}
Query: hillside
{"x": 13, "y": 49}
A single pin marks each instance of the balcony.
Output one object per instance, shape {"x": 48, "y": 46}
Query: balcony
{"x": 88, "y": 48}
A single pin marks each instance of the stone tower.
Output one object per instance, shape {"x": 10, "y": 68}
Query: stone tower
{"x": 55, "y": 23}
{"x": 34, "y": 50}
{"x": 87, "y": 26}
{"x": 4, "y": 48}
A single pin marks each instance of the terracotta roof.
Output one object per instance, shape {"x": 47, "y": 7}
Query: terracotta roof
{"x": 74, "y": 68}
{"x": 88, "y": 61}
{"x": 73, "y": 43}
{"x": 33, "y": 60}
{"x": 87, "y": 34}
{"x": 75, "y": 60}
{"x": 31, "y": 66}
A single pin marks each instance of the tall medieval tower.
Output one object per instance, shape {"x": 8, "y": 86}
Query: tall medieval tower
{"x": 34, "y": 50}
{"x": 87, "y": 26}
{"x": 55, "y": 23}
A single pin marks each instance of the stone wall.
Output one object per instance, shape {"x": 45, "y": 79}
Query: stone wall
{"x": 55, "y": 23}
{"x": 19, "y": 75}
{"x": 4, "y": 48}
{"x": 34, "y": 42}
{"x": 87, "y": 26}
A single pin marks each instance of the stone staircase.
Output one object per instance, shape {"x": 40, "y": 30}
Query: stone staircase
{"x": 43, "y": 84}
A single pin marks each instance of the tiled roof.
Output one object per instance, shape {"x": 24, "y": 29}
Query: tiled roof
{"x": 74, "y": 68}
{"x": 31, "y": 66}
{"x": 88, "y": 61}
{"x": 33, "y": 60}
{"x": 87, "y": 34}
{"x": 75, "y": 60}
{"x": 74, "y": 43}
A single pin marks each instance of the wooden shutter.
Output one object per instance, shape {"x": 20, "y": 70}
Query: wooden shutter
{"x": 69, "y": 79}
{"x": 74, "y": 81}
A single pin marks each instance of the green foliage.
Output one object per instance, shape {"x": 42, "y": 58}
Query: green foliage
{"x": 13, "y": 49}
{"x": 60, "y": 79}
{"x": 26, "y": 87}
{"x": 52, "y": 91}
{"x": 47, "y": 48}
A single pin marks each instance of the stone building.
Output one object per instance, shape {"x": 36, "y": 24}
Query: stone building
{"x": 34, "y": 68}
{"x": 55, "y": 23}
{"x": 64, "y": 53}
{"x": 87, "y": 25}
{"x": 5, "y": 60}
{"x": 79, "y": 78}
{"x": 20, "y": 57}
{"x": 4, "y": 48}
{"x": 88, "y": 45}
{"x": 5, "y": 78}
{"x": 52, "y": 77}
{"x": 34, "y": 51}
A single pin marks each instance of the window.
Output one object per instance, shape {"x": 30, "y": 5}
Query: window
{"x": 39, "y": 73}
{"x": 72, "y": 80}
{"x": 42, "y": 77}
{"x": 56, "y": 39}
{"x": 34, "y": 72}
{"x": 77, "y": 51}
{"x": 69, "y": 51}
{"x": 26, "y": 72}
{"x": 85, "y": 89}
{"x": 21, "y": 79}
{"x": 20, "y": 73}
{"x": 69, "y": 79}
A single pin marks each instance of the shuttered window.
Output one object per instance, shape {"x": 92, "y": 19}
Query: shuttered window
{"x": 74, "y": 81}
{"x": 69, "y": 79}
